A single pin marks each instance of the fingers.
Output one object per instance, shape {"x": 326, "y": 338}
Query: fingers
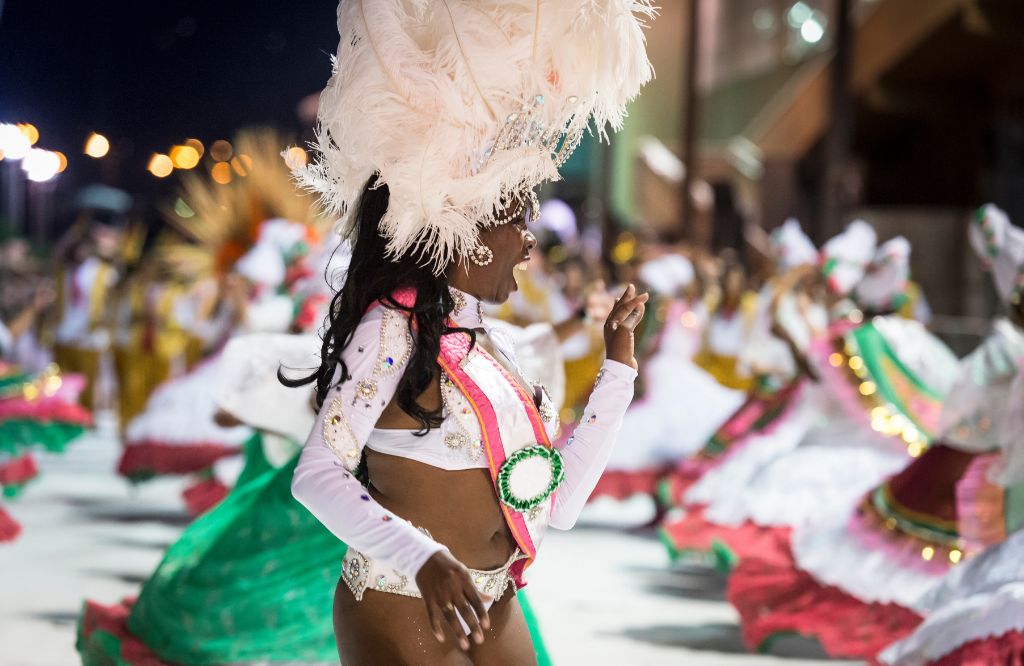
{"x": 453, "y": 624}
{"x": 434, "y": 617}
{"x": 469, "y": 616}
{"x": 634, "y": 317}
{"x": 444, "y": 617}
{"x": 625, "y": 307}
{"x": 478, "y": 606}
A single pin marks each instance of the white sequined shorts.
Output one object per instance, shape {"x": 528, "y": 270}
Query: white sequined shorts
{"x": 361, "y": 573}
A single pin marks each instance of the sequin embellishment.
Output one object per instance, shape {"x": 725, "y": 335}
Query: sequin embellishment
{"x": 464, "y": 433}
{"x": 338, "y": 435}
{"x": 366, "y": 389}
{"x": 395, "y": 344}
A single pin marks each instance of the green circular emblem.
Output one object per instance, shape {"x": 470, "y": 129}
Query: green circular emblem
{"x": 521, "y": 485}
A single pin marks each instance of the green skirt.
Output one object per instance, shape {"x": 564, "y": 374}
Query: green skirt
{"x": 252, "y": 580}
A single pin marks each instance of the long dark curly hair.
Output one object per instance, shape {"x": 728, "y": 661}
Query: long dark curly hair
{"x": 372, "y": 277}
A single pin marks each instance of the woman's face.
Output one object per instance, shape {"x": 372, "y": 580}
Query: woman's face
{"x": 511, "y": 243}
{"x": 735, "y": 281}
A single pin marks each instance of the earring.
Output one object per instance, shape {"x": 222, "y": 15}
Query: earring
{"x": 481, "y": 255}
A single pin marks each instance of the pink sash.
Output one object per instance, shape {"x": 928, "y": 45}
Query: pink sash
{"x": 455, "y": 352}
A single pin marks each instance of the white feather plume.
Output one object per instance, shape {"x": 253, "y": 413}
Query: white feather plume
{"x": 422, "y": 90}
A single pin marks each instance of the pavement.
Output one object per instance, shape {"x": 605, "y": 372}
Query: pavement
{"x": 604, "y": 593}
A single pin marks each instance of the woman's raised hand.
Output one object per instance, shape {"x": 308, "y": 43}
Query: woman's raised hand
{"x": 449, "y": 592}
{"x": 618, "y": 329}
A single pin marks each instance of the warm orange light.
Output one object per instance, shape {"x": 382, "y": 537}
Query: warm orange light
{"x": 97, "y": 145}
{"x": 239, "y": 166}
{"x": 63, "y": 161}
{"x": 30, "y": 132}
{"x": 221, "y": 150}
{"x": 221, "y": 172}
{"x": 196, "y": 145}
{"x": 295, "y": 157}
{"x": 184, "y": 157}
{"x": 160, "y": 165}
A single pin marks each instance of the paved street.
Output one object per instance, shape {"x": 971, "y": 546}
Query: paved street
{"x": 604, "y": 595}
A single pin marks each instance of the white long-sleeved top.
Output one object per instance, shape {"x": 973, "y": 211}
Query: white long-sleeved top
{"x": 376, "y": 358}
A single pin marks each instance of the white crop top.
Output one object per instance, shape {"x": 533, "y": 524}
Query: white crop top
{"x": 376, "y": 358}
{"x": 458, "y": 443}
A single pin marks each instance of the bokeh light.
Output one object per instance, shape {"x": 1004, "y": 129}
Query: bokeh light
{"x": 160, "y": 165}
{"x": 40, "y": 165}
{"x": 184, "y": 157}
{"x": 239, "y": 166}
{"x": 295, "y": 157}
{"x": 97, "y": 145}
{"x": 221, "y": 173}
{"x": 196, "y": 145}
{"x": 221, "y": 150}
{"x": 13, "y": 142}
{"x": 30, "y": 132}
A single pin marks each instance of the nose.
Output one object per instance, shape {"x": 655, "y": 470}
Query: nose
{"x": 529, "y": 240}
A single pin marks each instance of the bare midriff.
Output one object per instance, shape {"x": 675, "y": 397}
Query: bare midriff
{"x": 459, "y": 508}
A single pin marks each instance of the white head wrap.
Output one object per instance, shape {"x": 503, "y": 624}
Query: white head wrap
{"x": 667, "y": 274}
{"x": 1001, "y": 247}
{"x": 887, "y": 276}
{"x": 846, "y": 256}
{"x": 792, "y": 246}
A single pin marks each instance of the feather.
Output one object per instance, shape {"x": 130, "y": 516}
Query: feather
{"x": 460, "y": 105}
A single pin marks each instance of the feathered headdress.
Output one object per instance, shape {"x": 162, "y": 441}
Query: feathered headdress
{"x": 221, "y": 223}
{"x": 461, "y": 107}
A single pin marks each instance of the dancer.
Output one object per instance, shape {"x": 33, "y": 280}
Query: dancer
{"x": 788, "y": 318}
{"x": 38, "y": 410}
{"x": 829, "y": 452}
{"x": 422, "y": 403}
{"x": 660, "y": 431}
{"x": 90, "y": 268}
{"x": 976, "y": 615}
{"x": 252, "y": 238}
{"x": 728, "y": 328}
{"x": 239, "y": 585}
{"x": 870, "y": 567}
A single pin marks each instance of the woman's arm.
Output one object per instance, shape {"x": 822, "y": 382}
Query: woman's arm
{"x": 586, "y": 453}
{"x": 324, "y": 480}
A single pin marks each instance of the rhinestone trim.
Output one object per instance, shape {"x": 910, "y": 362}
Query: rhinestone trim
{"x": 395, "y": 344}
{"x": 338, "y": 435}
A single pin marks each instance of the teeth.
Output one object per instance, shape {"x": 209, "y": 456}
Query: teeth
{"x": 523, "y": 265}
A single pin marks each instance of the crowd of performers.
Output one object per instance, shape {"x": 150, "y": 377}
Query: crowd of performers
{"x": 859, "y": 483}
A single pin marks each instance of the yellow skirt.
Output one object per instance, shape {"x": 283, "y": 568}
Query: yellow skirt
{"x": 725, "y": 370}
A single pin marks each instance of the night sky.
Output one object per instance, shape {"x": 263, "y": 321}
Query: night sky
{"x": 149, "y": 73}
